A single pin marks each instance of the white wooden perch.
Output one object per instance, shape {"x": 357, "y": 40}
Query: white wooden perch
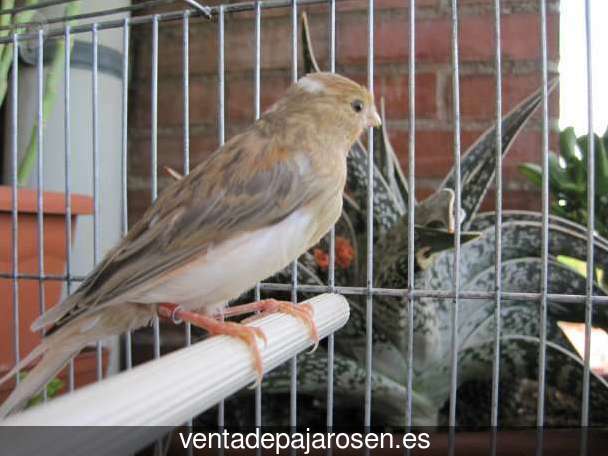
{"x": 165, "y": 392}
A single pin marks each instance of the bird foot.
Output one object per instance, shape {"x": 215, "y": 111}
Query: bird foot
{"x": 302, "y": 312}
{"x": 214, "y": 327}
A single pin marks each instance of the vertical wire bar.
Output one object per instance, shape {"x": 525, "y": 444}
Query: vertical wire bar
{"x": 186, "y": 86}
{"x": 221, "y": 127}
{"x": 68, "y": 178}
{"x": 96, "y": 165}
{"x": 370, "y": 226}
{"x": 40, "y": 176}
{"x": 186, "y": 156}
{"x": 590, "y": 218}
{"x": 457, "y": 191}
{"x": 256, "y": 113}
{"x": 498, "y": 224}
{"x": 332, "y": 246}
{"x": 293, "y": 383}
{"x": 540, "y": 406}
{"x": 332, "y": 36}
{"x": 411, "y": 205}
{"x": 124, "y": 157}
{"x": 154, "y": 150}
{"x": 15, "y": 199}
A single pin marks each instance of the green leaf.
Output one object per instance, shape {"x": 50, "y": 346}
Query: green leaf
{"x": 601, "y": 162}
{"x": 601, "y": 166}
{"x": 52, "y": 389}
{"x": 560, "y": 181}
{"x": 568, "y": 150}
{"x": 533, "y": 172}
{"x": 567, "y": 145}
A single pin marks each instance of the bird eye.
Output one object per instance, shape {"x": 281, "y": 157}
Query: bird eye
{"x": 357, "y": 105}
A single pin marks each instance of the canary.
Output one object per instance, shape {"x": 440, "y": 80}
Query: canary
{"x": 257, "y": 203}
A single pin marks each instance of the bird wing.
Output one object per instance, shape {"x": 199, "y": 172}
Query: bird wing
{"x": 249, "y": 183}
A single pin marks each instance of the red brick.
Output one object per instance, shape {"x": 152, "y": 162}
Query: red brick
{"x": 170, "y": 152}
{"x": 391, "y": 40}
{"x": 434, "y": 150}
{"x": 203, "y": 103}
{"x": 478, "y": 94}
{"x": 240, "y": 95}
{"x": 394, "y": 89}
{"x": 433, "y": 38}
{"x": 513, "y": 199}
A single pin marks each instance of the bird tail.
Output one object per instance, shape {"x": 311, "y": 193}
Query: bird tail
{"x": 53, "y": 360}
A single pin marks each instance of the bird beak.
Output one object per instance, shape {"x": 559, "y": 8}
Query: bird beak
{"x": 373, "y": 119}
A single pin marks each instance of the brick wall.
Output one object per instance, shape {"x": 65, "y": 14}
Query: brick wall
{"x": 521, "y": 73}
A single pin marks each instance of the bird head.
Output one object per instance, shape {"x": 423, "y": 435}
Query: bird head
{"x": 334, "y": 106}
{"x": 353, "y": 100}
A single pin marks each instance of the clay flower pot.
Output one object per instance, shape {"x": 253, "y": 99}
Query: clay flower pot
{"x": 54, "y": 264}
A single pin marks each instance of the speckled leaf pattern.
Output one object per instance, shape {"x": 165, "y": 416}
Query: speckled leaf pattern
{"x": 519, "y": 239}
{"x": 486, "y": 219}
{"x": 387, "y": 208}
{"x": 523, "y": 233}
{"x": 349, "y": 386}
{"x": 478, "y": 164}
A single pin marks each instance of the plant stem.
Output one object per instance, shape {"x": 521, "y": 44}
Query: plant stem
{"x": 6, "y": 49}
{"x": 50, "y": 93}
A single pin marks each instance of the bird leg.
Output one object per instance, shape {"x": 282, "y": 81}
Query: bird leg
{"x": 302, "y": 312}
{"x": 216, "y": 327}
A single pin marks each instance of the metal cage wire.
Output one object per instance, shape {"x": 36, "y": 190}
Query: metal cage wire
{"x": 95, "y": 24}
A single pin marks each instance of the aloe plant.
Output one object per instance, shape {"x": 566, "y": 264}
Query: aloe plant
{"x": 521, "y": 272}
{"x": 568, "y": 178}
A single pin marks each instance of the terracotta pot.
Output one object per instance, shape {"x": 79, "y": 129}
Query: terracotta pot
{"x": 54, "y": 262}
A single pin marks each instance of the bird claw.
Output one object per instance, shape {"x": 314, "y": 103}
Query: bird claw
{"x": 248, "y": 334}
{"x": 303, "y": 312}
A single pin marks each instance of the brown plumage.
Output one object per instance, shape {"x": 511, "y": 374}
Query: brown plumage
{"x": 247, "y": 211}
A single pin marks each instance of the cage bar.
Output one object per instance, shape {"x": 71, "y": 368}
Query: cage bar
{"x": 39, "y": 174}
{"x": 293, "y": 381}
{"x": 332, "y": 247}
{"x": 457, "y": 192}
{"x": 15, "y": 199}
{"x": 186, "y": 113}
{"x": 257, "y": 65}
{"x": 370, "y": 226}
{"x": 125, "y": 164}
{"x": 154, "y": 150}
{"x": 96, "y": 168}
{"x": 221, "y": 132}
{"x": 411, "y": 205}
{"x": 498, "y": 223}
{"x": 590, "y": 218}
{"x": 68, "y": 177}
{"x": 540, "y": 406}
{"x": 163, "y": 17}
